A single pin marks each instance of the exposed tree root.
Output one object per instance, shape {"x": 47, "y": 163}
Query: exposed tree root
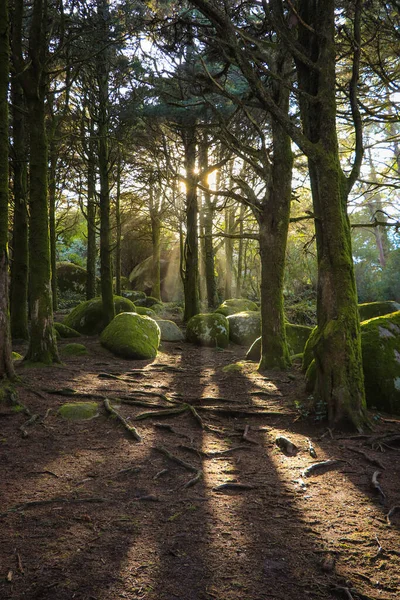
{"x": 233, "y": 411}
{"x": 29, "y": 422}
{"x": 376, "y": 485}
{"x": 196, "y": 415}
{"x": 372, "y": 461}
{"x": 162, "y": 413}
{"x": 326, "y": 464}
{"x": 176, "y": 459}
{"x": 169, "y": 427}
{"x": 216, "y": 454}
{"x": 130, "y": 428}
{"x": 194, "y": 480}
{"x": 33, "y": 503}
{"x": 236, "y": 487}
{"x": 391, "y": 513}
{"x": 247, "y": 437}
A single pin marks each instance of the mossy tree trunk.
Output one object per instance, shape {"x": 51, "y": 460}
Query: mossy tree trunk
{"x": 239, "y": 277}
{"x": 273, "y": 220}
{"x": 229, "y": 229}
{"x": 19, "y": 265}
{"x": 53, "y": 159}
{"x": 191, "y": 248}
{"x": 91, "y": 249}
{"x": 6, "y": 364}
{"x": 207, "y": 229}
{"x": 34, "y": 80}
{"x": 104, "y": 164}
{"x": 339, "y": 381}
{"x": 118, "y": 229}
{"x": 156, "y": 242}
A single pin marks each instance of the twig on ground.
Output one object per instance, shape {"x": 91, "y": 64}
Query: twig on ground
{"x": 196, "y": 415}
{"x": 194, "y": 480}
{"x": 130, "y": 428}
{"x": 160, "y": 473}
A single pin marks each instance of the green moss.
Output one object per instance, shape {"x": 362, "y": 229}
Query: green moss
{"x": 244, "y": 327}
{"x": 308, "y": 354}
{"x": 208, "y": 329}
{"x": 233, "y": 367}
{"x": 380, "y": 341}
{"x": 74, "y": 350}
{"x": 150, "y": 301}
{"x": 132, "y": 336}
{"x": 16, "y": 356}
{"x": 79, "y": 411}
{"x": 143, "y": 310}
{"x": 370, "y": 310}
{"x": 296, "y": 337}
{"x": 134, "y": 295}
{"x": 64, "y": 331}
{"x": 236, "y": 305}
{"x": 88, "y": 318}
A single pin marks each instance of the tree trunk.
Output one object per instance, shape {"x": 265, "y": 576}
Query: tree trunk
{"x": 191, "y": 250}
{"x": 6, "y": 364}
{"x": 239, "y": 276}
{"x": 19, "y": 266}
{"x": 42, "y": 346}
{"x": 103, "y": 133}
{"x": 156, "y": 241}
{"x": 339, "y": 381}
{"x": 274, "y": 225}
{"x": 229, "y": 228}
{"x": 52, "y": 219}
{"x": 91, "y": 285}
{"x": 118, "y": 231}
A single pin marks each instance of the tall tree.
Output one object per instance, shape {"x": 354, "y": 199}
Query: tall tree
{"x": 33, "y": 74}
{"x": 6, "y": 364}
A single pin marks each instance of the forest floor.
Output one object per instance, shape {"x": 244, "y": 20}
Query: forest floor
{"x": 90, "y": 513}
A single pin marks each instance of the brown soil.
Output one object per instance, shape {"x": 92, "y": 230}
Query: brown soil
{"x": 88, "y": 513}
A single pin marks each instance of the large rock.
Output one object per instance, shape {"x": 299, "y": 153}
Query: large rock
{"x": 64, "y": 331}
{"x": 209, "y": 329}
{"x": 296, "y": 337}
{"x": 130, "y": 335}
{"x": 235, "y": 305}
{"x": 142, "y": 310}
{"x": 88, "y": 318}
{"x": 370, "y": 310}
{"x": 170, "y": 331}
{"x": 380, "y": 341}
{"x": 134, "y": 295}
{"x": 244, "y": 327}
{"x": 71, "y": 278}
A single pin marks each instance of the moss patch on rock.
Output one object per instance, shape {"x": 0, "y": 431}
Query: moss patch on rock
{"x": 143, "y": 310}
{"x": 64, "y": 331}
{"x": 133, "y": 336}
{"x": 74, "y": 350}
{"x": 297, "y": 337}
{"x": 79, "y": 411}
{"x": 244, "y": 327}
{"x": 88, "y": 318}
{"x": 208, "y": 329}
{"x": 370, "y": 310}
{"x": 134, "y": 295}
{"x": 236, "y": 305}
{"x": 17, "y": 356}
{"x": 234, "y": 367}
{"x": 380, "y": 342}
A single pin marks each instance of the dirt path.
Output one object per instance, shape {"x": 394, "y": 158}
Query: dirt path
{"x": 88, "y": 513}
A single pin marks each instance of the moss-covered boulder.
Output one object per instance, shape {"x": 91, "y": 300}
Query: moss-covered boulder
{"x": 209, "y": 329}
{"x": 71, "y": 278}
{"x": 236, "y": 305}
{"x": 370, "y": 310}
{"x": 150, "y": 301}
{"x": 130, "y": 335}
{"x": 134, "y": 295}
{"x": 65, "y": 332}
{"x": 380, "y": 341}
{"x": 244, "y": 327}
{"x": 170, "y": 331}
{"x": 143, "y": 310}
{"x": 87, "y": 317}
{"x": 79, "y": 411}
{"x": 296, "y": 337}
{"x": 74, "y": 350}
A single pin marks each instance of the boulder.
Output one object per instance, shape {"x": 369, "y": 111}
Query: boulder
{"x": 296, "y": 337}
{"x": 209, "y": 329}
{"x": 71, "y": 278}
{"x": 380, "y": 342}
{"x": 170, "y": 331}
{"x": 64, "y": 331}
{"x": 74, "y": 350}
{"x": 244, "y": 327}
{"x": 236, "y": 305}
{"x": 370, "y": 310}
{"x": 133, "y": 336}
{"x": 151, "y": 301}
{"x": 87, "y": 317}
{"x": 134, "y": 295}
